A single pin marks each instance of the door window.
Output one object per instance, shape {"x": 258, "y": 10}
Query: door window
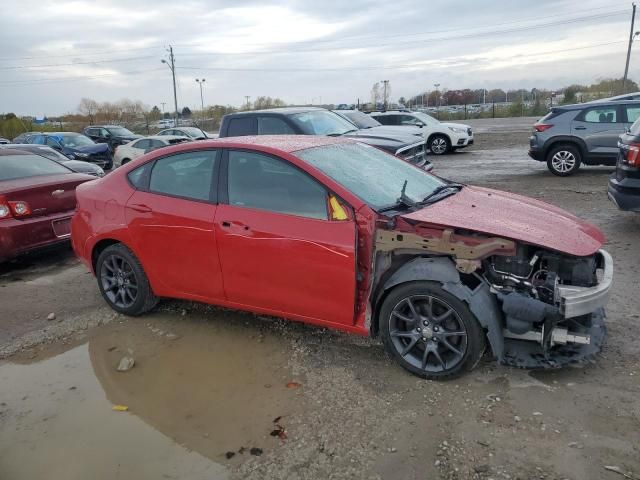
{"x": 187, "y": 175}
{"x": 601, "y": 115}
{"x": 633, "y": 112}
{"x": 142, "y": 144}
{"x": 242, "y": 126}
{"x": 409, "y": 120}
{"x": 386, "y": 119}
{"x": 52, "y": 142}
{"x": 273, "y": 126}
{"x": 266, "y": 183}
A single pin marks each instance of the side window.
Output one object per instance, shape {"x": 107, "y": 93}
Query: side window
{"x": 273, "y": 126}
{"x": 266, "y": 183}
{"x": 409, "y": 120}
{"x": 141, "y": 144}
{"x": 138, "y": 176}
{"x": 187, "y": 175}
{"x": 157, "y": 144}
{"x": 37, "y": 139}
{"x": 89, "y": 131}
{"x": 104, "y": 133}
{"x": 633, "y": 112}
{"x": 384, "y": 119}
{"x": 242, "y": 126}
{"x": 601, "y": 115}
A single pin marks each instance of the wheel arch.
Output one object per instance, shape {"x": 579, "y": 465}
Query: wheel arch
{"x": 482, "y": 303}
{"x": 99, "y": 247}
{"x": 566, "y": 140}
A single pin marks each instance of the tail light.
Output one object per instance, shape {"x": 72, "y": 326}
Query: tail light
{"x": 633, "y": 155}
{"x": 541, "y": 127}
{"x": 15, "y": 209}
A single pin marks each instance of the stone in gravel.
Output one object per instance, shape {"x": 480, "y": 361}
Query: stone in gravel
{"x": 172, "y": 336}
{"x": 255, "y": 451}
{"x": 517, "y": 418}
{"x": 230, "y": 455}
{"x": 393, "y": 450}
{"x": 481, "y": 468}
{"x": 575, "y": 445}
{"x": 51, "y": 316}
{"x": 537, "y": 414}
{"x": 126, "y": 364}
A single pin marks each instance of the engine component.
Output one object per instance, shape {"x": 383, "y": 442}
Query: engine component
{"x": 523, "y": 312}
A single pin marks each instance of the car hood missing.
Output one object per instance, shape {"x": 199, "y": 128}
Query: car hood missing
{"x": 512, "y": 216}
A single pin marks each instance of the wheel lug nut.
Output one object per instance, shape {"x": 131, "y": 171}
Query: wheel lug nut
{"x": 425, "y": 323}
{"x": 418, "y": 329}
{"x": 435, "y": 339}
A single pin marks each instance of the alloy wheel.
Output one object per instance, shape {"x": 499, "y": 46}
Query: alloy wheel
{"x": 119, "y": 281}
{"x": 438, "y": 146}
{"x": 563, "y": 161}
{"x": 428, "y": 333}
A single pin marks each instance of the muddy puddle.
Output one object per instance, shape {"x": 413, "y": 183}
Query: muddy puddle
{"x": 198, "y": 390}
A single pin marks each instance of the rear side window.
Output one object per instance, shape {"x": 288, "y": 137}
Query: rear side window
{"x": 601, "y": 115}
{"x": 633, "y": 112}
{"x": 266, "y": 183}
{"x": 386, "y": 119}
{"x": 273, "y": 126}
{"x": 635, "y": 128}
{"x": 187, "y": 175}
{"x": 239, "y": 127}
{"x": 552, "y": 114}
{"x": 23, "y": 166}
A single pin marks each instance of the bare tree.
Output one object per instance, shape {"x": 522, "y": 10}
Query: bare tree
{"x": 88, "y": 107}
{"x": 375, "y": 94}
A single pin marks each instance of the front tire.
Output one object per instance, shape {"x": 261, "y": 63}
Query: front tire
{"x": 122, "y": 281}
{"x": 439, "y": 145}
{"x": 430, "y": 332}
{"x": 564, "y": 160}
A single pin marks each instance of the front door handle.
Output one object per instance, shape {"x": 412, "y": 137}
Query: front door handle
{"x": 228, "y": 224}
{"x": 139, "y": 207}
{"x": 580, "y": 128}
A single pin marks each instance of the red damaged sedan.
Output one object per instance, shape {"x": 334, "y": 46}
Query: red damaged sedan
{"x": 336, "y": 233}
{"x": 37, "y": 200}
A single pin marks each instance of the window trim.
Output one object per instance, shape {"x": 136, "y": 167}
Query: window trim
{"x": 214, "y": 194}
{"x": 223, "y": 187}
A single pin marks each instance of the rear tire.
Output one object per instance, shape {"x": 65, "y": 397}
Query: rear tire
{"x": 564, "y": 160}
{"x": 430, "y": 332}
{"x": 122, "y": 281}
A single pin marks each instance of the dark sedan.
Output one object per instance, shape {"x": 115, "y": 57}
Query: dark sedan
{"x": 37, "y": 201}
{"x": 624, "y": 184}
{"x": 112, "y": 135}
{"x": 76, "y": 165}
{"x": 76, "y": 147}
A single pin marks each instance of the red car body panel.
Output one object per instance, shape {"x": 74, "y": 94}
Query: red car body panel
{"x": 49, "y": 222}
{"x": 515, "y": 217}
{"x": 316, "y": 271}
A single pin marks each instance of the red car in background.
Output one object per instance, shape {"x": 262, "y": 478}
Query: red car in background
{"x": 37, "y": 201}
{"x": 336, "y": 233}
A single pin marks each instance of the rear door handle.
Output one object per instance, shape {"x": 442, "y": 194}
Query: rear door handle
{"x": 226, "y": 224}
{"x": 580, "y": 128}
{"x": 139, "y": 207}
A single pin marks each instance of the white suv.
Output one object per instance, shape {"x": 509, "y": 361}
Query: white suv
{"x": 441, "y": 137}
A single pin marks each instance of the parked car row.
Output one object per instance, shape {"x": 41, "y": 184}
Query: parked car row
{"x": 602, "y": 132}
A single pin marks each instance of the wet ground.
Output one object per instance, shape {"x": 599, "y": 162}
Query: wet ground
{"x": 218, "y": 394}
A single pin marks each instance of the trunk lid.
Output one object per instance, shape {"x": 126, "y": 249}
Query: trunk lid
{"x": 46, "y": 194}
{"x": 515, "y": 217}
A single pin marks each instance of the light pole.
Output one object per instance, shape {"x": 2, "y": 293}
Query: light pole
{"x": 172, "y": 66}
{"x": 247, "y": 97}
{"x": 437, "y": 99}
{"x": 200, "y": 82}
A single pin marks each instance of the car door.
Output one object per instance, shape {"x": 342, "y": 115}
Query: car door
{"x": 170, "y": 219}
{"x": 278, "y": 251}
{"x": 599, "y": 127}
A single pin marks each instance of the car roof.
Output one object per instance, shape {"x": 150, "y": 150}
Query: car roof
{"x": 596, "y": 103}
{"x": 161, "y": 137}
{"x": 26, "y": 145}
{"x": 282, "y": 110}
{"x": 103, "y": 126}
{"x": 10, "y": 151}
{"x": 284, "y": 143}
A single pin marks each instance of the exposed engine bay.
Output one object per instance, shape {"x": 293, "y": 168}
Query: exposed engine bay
{"x": 551, "y": 303}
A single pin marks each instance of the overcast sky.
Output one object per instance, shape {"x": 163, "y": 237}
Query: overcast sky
{"x": 56, "y": 52}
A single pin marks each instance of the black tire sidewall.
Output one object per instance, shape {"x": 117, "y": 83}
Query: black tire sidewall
{"x": 475, "y": 334}
{"x": 575, "y": 151}
{"x": 145, "y": 299}
{"x": 435, "y": 137}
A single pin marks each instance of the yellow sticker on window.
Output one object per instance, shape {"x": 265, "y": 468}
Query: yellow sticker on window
{"x": 337, "y": 210}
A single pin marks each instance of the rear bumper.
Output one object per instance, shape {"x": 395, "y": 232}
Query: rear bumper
{"x": 625, "y": 194}
{"x": 22, "y": 236}
{"x": 536, "y": 153}
{"x": 578, "y": 301}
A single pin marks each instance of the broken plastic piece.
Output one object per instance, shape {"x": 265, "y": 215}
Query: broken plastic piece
{"x": 293, "y": 385}
{"x": 337, "y": 210}
{"x": 120, "y": 408}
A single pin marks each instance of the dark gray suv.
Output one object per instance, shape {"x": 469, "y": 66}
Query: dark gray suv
{"x": 572, "y": 135}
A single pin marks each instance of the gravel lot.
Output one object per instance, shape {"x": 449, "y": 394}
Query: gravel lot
{"x": 218, "y": 394}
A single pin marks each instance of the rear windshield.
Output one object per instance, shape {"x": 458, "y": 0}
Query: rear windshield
{"x": 635, "y": 128}
{"x": 23, "y": 166}
{"x": 552, "y": 114}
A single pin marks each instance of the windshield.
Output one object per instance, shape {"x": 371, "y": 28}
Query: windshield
{"x": 322, "y": 122}
{"x": 374, "y": 176}
{"x": 361, "y": 120}
{"x": 427, "y": 119}
{"x": 120, "y": 132}
{"x": 22, "y": 166}
{"x": 75, "y": 140}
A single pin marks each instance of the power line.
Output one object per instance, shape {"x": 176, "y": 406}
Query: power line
{"x": 79, "y": 54}
{"x": 74, "y": 78}
{"x": 111, "y": 60}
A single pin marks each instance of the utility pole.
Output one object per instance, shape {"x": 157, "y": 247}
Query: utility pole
{"x": 384, "y": 95}
{"x": 162, "y": 103}
{"x": 437, "y": 101}
{"x": 247, "y": 97}
{"x": 172, "y": 66}
{"x": 200, "y": 82}
{"x": 631, "y": 35}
